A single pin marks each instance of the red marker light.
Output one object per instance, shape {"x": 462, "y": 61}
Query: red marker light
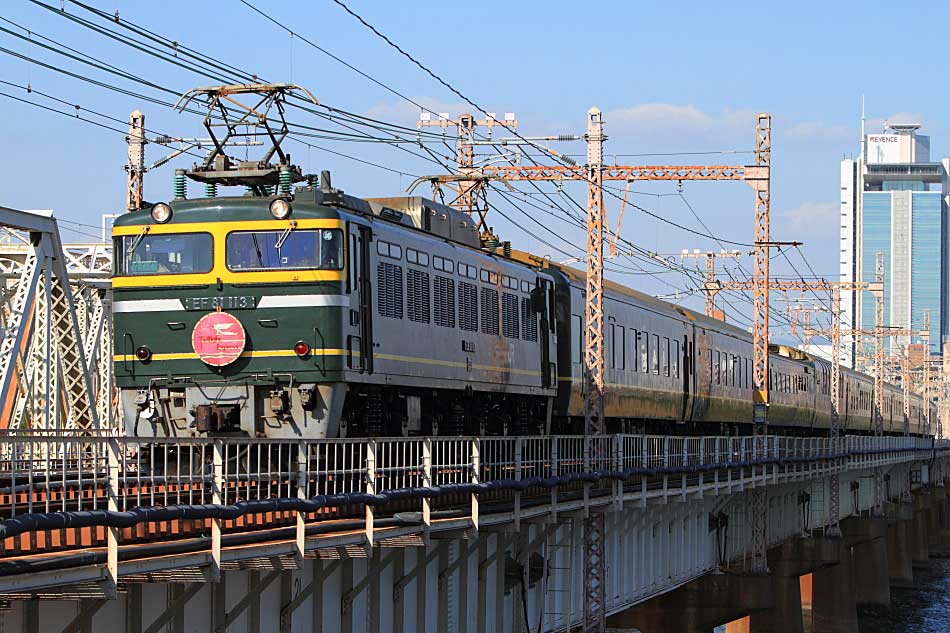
{"x": 301, "y": 348}
{"x": 143, "y": 353}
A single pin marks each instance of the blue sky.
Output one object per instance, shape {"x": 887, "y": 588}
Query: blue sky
{"x": 669, "y": 78}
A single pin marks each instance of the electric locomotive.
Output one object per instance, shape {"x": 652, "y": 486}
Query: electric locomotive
{"x": 324, "y": 315}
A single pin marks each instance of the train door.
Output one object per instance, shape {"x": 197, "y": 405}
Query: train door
{"x": 845, "y": 405}
{"x": 544, "y": 304}
{"x": 687, "y": 373}
{"x": 360, "y": 346}
{"x": 702, "y": 373}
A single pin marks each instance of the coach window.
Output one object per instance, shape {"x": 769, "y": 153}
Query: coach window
{"x": 716, "y": 371}
{"x": 655, "y": 354}
{"x": 675, "y": 359}
{"x": 619, "y": 347}
{"x": 644, "y": 338}
{"x": 665, "y": 356}
{"x": 577, "y": 326}
{"x": 609, "y": 352}
{"x": 735, "y": 370}
{"x": 632, "y": 337}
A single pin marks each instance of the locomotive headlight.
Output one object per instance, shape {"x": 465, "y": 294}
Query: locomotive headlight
{"x": 143, "y": 353}
{"x": 161, "y": 213}
{"x": 280, "y": 209}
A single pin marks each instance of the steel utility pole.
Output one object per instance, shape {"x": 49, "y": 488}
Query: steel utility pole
{"x": 469, "y": 185}
{"x": 711, "y": 285}
{"x": 136, "y": 165}
{"x": 595, "y": 173}
{"x": 760, "y": 334}
{"x": 926, "y": 336}
{"x": 594, "y": 423}
{"x": 835, "y": 288}
{"x": 879, "y": 375}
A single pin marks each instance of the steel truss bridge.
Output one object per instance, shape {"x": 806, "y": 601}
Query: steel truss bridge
{"x": 103, "y": 532}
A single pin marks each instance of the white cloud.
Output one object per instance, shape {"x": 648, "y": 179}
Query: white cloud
{"x": 671, "y": 118}
{"x": 814, "y": 131}
{"x": 816, "y": 218}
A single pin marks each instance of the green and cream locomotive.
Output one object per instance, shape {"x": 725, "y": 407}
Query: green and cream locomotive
{"x": 321, "y": 315}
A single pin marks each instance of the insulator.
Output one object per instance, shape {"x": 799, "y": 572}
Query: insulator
{"x": 181, "y": 187}
{"x": 211, "y": 190}
{"x": 286, "y": 180}
{"x": 491, "y": 243}
{"x": 566, "y": 137}
{"x": 163, "y": 140}
{"x": 313, "y": 181}
{"x": 570, "y": 161}
{"x": 248, "y": 190}
{"x": 506, "y": 248}
{"x": 267, "y": 190}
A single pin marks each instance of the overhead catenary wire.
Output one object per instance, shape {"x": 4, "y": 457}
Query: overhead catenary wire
{"x": 708, "y": 234}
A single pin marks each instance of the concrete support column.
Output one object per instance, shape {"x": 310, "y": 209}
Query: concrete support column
{"x": 871, "y": 573}
{"x": 833, "y": 606}
{"x": 786, "y": 615}
{"x": 698, "y": 606}
{"x": 899, "y": 563}
{"x": 933, "y": 517}
{"x": 867, "y": 537}
{"x": 919, "y": 547}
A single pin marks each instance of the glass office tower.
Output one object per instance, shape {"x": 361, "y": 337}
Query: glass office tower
{"x": 894, "y": 201}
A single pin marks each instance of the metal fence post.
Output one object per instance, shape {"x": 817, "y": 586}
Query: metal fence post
{"x": 554, "y": 473}
{"x": 370, "y": 488}
{"x": 112, "y": 534}
{"x": 476, "y": 475}
{"x": 426, "y": 483}
{"x": 518, "y": 467}
{"x": 643, "y": 478}
{"x": 303, "y": 483}
{"x": 617, "y": 465}
{"x": 217, "y": 490}
{"x": 701, "y": 462}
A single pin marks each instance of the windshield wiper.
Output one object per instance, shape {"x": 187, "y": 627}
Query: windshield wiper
{"x": 285, "y": 234}
{"x": 138, "y": 240}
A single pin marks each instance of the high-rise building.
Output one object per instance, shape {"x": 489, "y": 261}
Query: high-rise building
{"x": 894, "y": 200}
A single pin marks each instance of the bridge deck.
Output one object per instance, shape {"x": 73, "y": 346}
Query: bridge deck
{"x": 87, "y": 509}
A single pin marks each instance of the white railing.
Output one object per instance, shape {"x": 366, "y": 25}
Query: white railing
{"x": 59, "y": 473}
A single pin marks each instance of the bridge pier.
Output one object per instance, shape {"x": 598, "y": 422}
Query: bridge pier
{"x": 699, "y": 605}
{"x": 867, "y": 537}
{"x": 833, "y": 605}
{"x": 899, "y": 565}
{"x": 919, "y": 539}
{"x": 942, "y": 506}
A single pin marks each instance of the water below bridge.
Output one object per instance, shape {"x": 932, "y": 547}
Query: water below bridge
{"x": 923, "y": 608}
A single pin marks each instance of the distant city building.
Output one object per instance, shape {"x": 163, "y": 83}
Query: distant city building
{"x": 894, "y": 200}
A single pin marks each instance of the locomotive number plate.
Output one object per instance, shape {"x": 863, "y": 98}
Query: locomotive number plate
{"x": 225, "y": 303}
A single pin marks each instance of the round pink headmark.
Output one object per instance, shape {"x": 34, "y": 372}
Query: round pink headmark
{"x": 218, "y": 339}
